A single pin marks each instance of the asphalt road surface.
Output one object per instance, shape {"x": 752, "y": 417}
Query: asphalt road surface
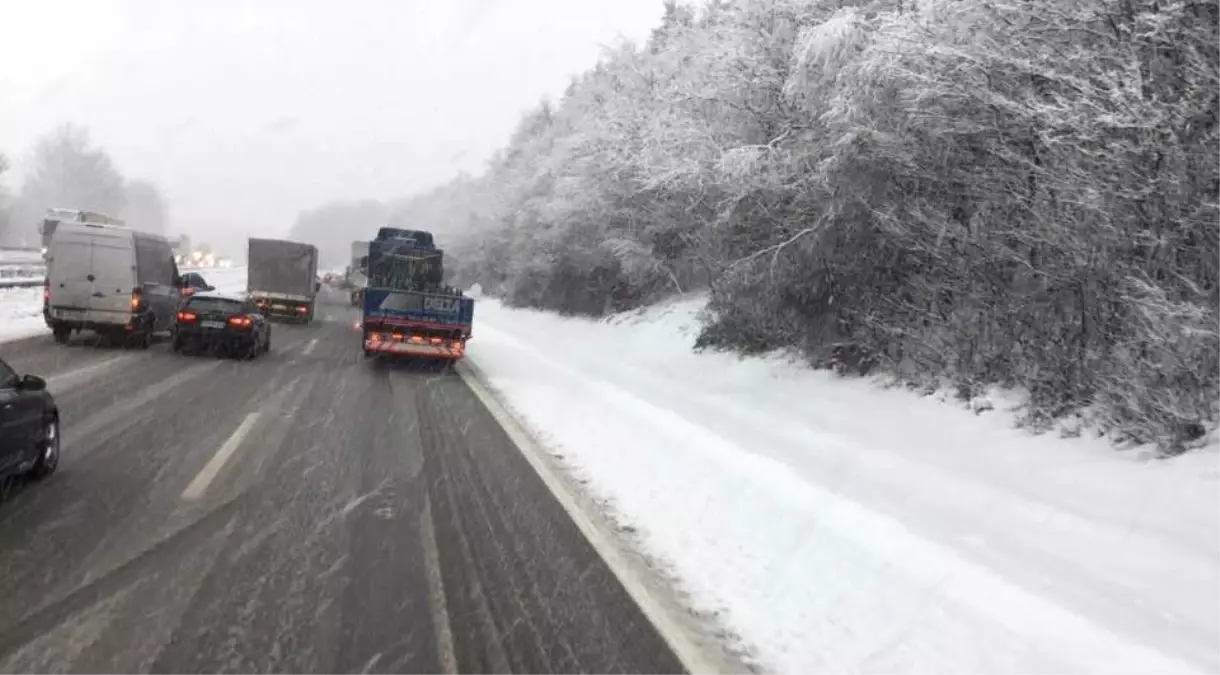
{"x": 304, "y": 512}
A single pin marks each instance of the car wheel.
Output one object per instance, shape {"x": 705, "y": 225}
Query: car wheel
{"x": 61, "y": 334}
{"x": 48, "y": 454}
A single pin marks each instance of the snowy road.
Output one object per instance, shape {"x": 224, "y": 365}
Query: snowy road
{"x": 300, "y": 513}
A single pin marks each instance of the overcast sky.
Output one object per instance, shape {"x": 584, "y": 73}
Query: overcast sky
{"x": 245, "y": 113}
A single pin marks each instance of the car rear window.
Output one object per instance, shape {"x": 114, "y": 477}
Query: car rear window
{"x": 215, "y": 305}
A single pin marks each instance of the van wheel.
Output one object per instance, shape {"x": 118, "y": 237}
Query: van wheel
{"x": 61, "y": 334}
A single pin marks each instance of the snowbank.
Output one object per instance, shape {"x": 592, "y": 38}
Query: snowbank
{"x": 841, "y": 526}
{"x": 21, "y": 313}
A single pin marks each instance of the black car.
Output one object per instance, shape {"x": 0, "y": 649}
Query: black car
{"x": 192, "y": 283}
{"x": 29, "y": 426}
{"x": 227, "y": 324}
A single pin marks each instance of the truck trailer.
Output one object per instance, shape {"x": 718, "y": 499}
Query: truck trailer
{"x": 282, "y": 277}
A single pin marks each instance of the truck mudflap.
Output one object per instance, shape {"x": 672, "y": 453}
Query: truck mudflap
{"x": 394, "y": 342}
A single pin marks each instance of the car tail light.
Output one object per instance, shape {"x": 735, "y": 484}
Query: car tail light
{"x": 398, "y": 336}
{"x": 187, "y": 315}
{"x": 457, "y": 344}
{"x": 436, "y": 341}
{"x": 46, "y": 295}
{"x": 240, "y": 320}
{"x": 302, "y": 309}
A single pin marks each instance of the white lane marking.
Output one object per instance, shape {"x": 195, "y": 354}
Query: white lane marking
{"x": 436, "y": 591}
{"x": 60, "y": 379}
{"x": 697, "y": 653}
{"x": 195, "y": 490}
{"x": 309, "y": 347}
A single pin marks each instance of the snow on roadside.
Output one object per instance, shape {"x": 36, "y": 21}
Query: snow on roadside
{"x": 21, "y": 313}
{"x": 840, "y": 526}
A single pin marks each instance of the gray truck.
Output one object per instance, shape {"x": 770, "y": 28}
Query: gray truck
{"x": 283, "y": 277}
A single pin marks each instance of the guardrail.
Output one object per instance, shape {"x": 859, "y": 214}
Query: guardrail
{"x": 20, "y": 283}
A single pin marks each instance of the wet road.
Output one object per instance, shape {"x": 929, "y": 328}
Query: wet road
{"x": 304, "y": 512}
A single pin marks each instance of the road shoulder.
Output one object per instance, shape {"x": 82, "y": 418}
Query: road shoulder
{"x": 696, "y": 639}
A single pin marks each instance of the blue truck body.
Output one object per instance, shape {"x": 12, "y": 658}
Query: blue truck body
{"x": 441, "y": 310}
{"x": 405, "y": 309}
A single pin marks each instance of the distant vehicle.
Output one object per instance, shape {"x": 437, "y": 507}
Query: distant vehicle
{"x": 53, "y": 217}
{"x": 283, "y": 277}
{"x": 357, "y": 271}
{"x": 223, "y": 323}
{"x": 193, "y": 282}
{"x": 406, "y": 309}
{"x": 29, "y": 426}
{"x": 112, "y": 280}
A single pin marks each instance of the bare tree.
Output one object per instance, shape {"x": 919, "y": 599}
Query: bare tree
{"x": 67, "y": 171}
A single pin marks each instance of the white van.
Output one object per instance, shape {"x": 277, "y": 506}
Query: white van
{"x": 112, "y": 280}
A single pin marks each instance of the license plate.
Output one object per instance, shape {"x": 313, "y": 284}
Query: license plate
{"x": 279, "y": 306}
{"x": 212, "y": 324}
{"x": 69, "y": 313}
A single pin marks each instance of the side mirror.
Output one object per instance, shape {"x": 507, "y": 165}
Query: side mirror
{"x": 31, "y": 383}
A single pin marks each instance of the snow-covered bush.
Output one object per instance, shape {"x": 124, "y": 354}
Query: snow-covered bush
{"x": 979, "y": 191}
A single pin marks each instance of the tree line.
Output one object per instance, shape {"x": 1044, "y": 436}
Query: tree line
{"x": 66, "y": 170}
{"x": 964, "y": 193}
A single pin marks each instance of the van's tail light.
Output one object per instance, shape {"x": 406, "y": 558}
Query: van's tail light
{"x": 240, "y": 320}
{"x": 187, "y": 315}
{"x": 46, "y": 295}
{"x": 137, "y": 299}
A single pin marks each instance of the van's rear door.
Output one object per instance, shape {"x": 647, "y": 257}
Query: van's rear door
{"x": 113, "y": 271}
{"x": 68, "y": 278}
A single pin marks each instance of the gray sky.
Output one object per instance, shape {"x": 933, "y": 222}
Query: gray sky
{"x": 245, "y": 113}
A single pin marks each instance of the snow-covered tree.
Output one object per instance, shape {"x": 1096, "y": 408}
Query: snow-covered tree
{"x": 977, "y": 192}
